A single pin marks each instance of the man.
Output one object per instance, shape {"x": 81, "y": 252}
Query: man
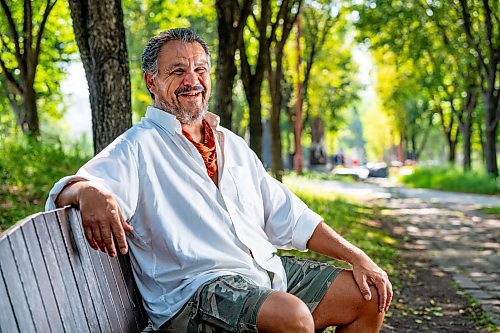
{"x": 203, "y": 218}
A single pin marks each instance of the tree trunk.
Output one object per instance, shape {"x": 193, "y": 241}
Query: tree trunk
{"x": 466, "y": 126}
{"x": 100, "y": 35}
{"x": 30, "y": 125}
{"x": 452, "y": 148}
{"x": 491, "y": 120}
{"x": 255, "y": 121}
{"x": 274, "y": 85}
{"x": 230, "y": 26}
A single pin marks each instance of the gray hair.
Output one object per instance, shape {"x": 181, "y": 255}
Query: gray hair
{"x": 152, "y": 49}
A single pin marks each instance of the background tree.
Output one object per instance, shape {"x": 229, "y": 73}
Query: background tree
{"x": 442, "y": 67}
{"x": 482, "y": 28}
{"x": 231, "y": 17}
{"x": 22, "y": 36}
{"x": 280, "y": 31}
{"x": 318, "y": 19}
{"x": 253, "y": 59}
{"x": 100, "y": 35}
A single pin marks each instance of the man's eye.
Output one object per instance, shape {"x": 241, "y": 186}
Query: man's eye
{"x": 201, "y": 70}
{"x": 178, "y": 72}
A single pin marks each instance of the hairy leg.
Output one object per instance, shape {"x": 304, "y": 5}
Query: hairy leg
{"x": 344, "y": 306}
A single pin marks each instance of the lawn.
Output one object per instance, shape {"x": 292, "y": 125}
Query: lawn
{"x": 452, "y": 179}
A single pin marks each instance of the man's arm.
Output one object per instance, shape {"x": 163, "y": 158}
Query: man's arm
{"x": 326, "y": 241}
{"x": 101, "y": 215}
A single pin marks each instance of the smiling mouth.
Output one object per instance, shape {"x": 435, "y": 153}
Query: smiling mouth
{"x": 190, "y": 93}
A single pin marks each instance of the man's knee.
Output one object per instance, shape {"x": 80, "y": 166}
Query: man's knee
{"x": 371, "y": 307}
{"x": 282, "y": 312}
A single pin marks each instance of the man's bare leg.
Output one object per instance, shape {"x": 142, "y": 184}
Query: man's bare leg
{"x": 284, "y": 313}
{"x": 344, "y": 306}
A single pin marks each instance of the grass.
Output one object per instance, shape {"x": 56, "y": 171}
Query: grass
{"x": 355, "y": 222}
{"x": 307, "y": 174}
{"x": 452, "y": 179}
{"x": 495, "y": 211}
{"x": 28, "y": 170}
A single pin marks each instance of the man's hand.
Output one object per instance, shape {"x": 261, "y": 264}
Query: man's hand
{"x": 100, "y": 213}
{"x": 367, "y": 273}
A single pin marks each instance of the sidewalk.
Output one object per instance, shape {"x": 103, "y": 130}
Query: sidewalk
{"x": 460, "y": 241}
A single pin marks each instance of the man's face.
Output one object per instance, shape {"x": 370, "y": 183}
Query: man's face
{"x": 182, "y": 86}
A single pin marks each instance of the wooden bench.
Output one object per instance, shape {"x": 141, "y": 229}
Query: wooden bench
{"x": 52, "y": 281}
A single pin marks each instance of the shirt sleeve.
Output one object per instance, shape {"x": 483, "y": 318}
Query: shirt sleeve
{"x": 289, "y": 223}
{"x": 115, "y": 169}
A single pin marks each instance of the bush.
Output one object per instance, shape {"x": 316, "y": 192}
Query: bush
{"x": 28, "y": 170}
{"x": 452, "y": 179}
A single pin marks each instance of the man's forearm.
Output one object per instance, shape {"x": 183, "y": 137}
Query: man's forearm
{"x": 326, "y": 241}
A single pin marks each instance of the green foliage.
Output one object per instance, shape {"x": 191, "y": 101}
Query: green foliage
{"x": 58, "y": 48}
{"x": 28, "y": 170}
{"x": 355, "y": 222}
{"x": 452, "y": 179}
{"x": 426, "y": 68}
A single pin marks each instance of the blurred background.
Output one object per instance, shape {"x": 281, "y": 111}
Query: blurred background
{"x": 364, "y": 98}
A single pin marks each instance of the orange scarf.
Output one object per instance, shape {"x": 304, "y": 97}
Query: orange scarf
{"x": 206, "y": 149}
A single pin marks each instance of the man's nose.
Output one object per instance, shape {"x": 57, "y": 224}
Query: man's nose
{"x": 191, "y": 78}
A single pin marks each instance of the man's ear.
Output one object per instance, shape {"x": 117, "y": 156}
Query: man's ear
{"x": 150, "y": 83}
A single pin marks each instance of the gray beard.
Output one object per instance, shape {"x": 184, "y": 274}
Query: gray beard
{"x": 184, "y": 116}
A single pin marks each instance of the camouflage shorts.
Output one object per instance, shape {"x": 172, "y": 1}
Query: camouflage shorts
{"x": 231, "y": 303}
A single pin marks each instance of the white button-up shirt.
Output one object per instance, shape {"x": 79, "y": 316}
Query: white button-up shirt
{"x": 186, "y": 230}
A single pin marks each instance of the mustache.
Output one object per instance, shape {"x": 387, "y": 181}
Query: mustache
{"x": 197, "y": 88}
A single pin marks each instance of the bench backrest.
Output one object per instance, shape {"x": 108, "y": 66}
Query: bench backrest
{"x": 52, "y": 281}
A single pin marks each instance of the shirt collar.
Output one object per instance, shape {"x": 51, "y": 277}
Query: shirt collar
{"x": 171, "y": 124}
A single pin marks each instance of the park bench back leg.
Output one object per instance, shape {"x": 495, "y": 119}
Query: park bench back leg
{"x": 51, "y": 281}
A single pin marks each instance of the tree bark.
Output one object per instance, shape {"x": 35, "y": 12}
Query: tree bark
{"x": 31, "y": 123}
{"x": 450, "y": 134}
{"x": 231, "y": 21}
{"x": 100, "y": 35}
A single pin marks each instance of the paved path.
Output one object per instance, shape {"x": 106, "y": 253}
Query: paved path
{"x": 461, "y": 240}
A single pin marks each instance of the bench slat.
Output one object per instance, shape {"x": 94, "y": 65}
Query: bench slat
{"x": 29, "y": 281}
{"x": 67, "y": 273}
{"x": 15, "y": 288}
{"x": 75, "y": 261}
{"x": 130, "y": 322}
{"x": 55, "y": 276}
{"x": 89, "y": 270}
{"x": 133, "y": 293}
{"x": 42, "y": 277}
{"x": 105, "y": 288}
{"x": 8, "y": 322}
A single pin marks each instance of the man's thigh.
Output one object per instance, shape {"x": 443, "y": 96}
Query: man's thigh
{"x": 225, "y": 304}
